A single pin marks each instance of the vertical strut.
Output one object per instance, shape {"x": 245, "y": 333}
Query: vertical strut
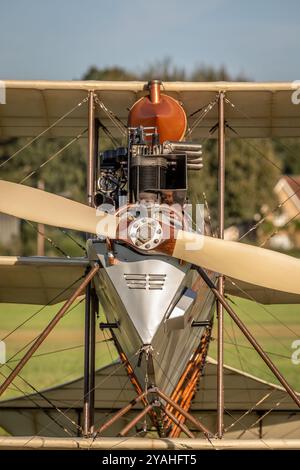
{"x": 90, "y": 301}
{"x": 41, "y": 338}
{"x": 221, "y": 196}
{"x": 91, "y": 149}
{"x": 86, "y": 385}
{"x": 94, "y": 313}
{"x": 250, "y": 337}
{"x": 41, "y": 228}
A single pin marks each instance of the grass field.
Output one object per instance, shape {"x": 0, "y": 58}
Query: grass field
{"x": 275, "y": 327}
{"x": 48, "y": 368}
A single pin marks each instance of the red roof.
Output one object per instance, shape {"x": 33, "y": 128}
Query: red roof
{"x": 294, "y": 183}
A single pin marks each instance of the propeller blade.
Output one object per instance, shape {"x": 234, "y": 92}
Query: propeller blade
{"x": 246, "y": 263}
{"x": 46, "y": 208}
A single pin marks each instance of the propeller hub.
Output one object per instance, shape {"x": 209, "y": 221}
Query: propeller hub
{"x": 145, "y": 233}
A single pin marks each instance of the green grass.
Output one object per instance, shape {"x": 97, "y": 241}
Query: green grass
{"x": 275, "y": 327}
{"x": 46, "y": 370}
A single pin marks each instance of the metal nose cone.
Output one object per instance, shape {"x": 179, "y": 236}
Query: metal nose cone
{"x": 146, "y": 289}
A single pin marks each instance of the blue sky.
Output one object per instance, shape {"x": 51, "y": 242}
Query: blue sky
{"x": 60, "y": 39}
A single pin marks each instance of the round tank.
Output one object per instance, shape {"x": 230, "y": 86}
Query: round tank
{"x": 160, "y": 111}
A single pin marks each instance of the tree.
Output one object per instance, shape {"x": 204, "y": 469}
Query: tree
{"x": 288, "y": 151}
{"x": 109, "y": 74}
{"x": 65, "y": 175}
{"x": 249, "y": 179}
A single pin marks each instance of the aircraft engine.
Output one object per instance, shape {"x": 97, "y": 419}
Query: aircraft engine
{"x": 153, "y": 167}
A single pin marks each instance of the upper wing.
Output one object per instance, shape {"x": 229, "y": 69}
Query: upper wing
{"x": 39, "y": 280}
{"x": 260, "y": 109}
{"x": 258, "y": 293}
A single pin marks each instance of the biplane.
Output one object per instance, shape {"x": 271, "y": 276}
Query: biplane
{"x": 158, "y": 278}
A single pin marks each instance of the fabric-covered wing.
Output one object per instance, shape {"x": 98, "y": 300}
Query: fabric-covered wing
{"x": 30, "y": 415}
{"x": 260, "y": 109}
{"x": 39, "y": 280}
{"x": 258, "y": 293}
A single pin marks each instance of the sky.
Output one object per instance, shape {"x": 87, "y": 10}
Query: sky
{"x": 61, "y": 39}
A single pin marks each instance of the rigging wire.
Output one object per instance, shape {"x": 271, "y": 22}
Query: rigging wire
{"x": 299, "y": 189}
{"x": 33, "y": 172}
{"x": 203, "y": 112}
{"x": 111, "y": 411}
{"x": 36, "y": 337}
{"x": 115, "y": 120}
{"x": 239, "y": 356}
{"x": 44, "y": 398}
{"x": 71, "y": 348}
{"x": 83, "y": 248}
{"x": 249, "y": 430}
{"x": 47, "y": 161}
{"x": 37, "y": 405}
{"x": 264, "y": 415}
{"x": 77, "y": 402}
{"x": 283, "y": 356}
{"x": 250, "y": 410}
{"x": 247, "y": 294}
{"x": 257, "y": 323}
{"x": 108, "y": 134}
{"x": 280, "y": 205}
{"x": 263, "y": 307}
{"x": 42, "y": 308}
{"x": 278, "y": 229}
{"x": 208, "y": 215}
{"x": 246, "y": 360}
{"x": 247, "y": 116}
{"x": 272, "y": 211}
{"x": 65, "y": 415}
{"x": 271, "y": 162}
{"x": 44, "y": 132}
{"x": 48, "y": 239}
{"x": 250, "y": 365}
{"x": 110, "y": 353}
{"x": 259, "y": 402}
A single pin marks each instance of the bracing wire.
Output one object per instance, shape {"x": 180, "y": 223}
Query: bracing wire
{"x": 44, "y": 132}
{"x": 31, "y": 341}
{"x": 54, "y": 155}
{"x": 37, "y": 405}
{"x": 42, "y": 308}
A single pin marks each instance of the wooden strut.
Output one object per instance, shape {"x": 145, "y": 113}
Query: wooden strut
{"x": 90, "y": 303}
{"x": 185, "y": 389}
{"x": 128, "y": 367}
{"x": 249, "y": 336}
{"x": 48, "y": 329}
{"x": 220, "y": 313}
{"x": 148, "y": 408}
{"x": 133, "y": 379}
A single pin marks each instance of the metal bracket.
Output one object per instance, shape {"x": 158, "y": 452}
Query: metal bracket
{"x": 148, "y": 408}
{"x": 199, "y": 324}
{"x": 108, "y": 326}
